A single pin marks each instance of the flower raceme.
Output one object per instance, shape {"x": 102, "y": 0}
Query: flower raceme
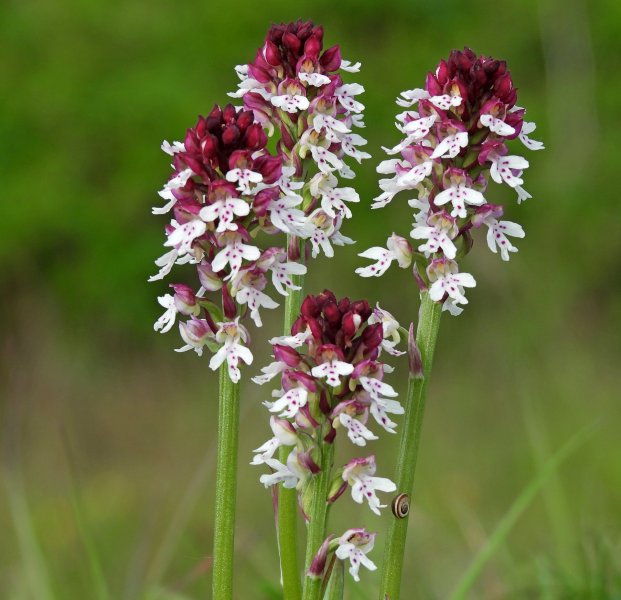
{"x": 225, "y": 188}
{"x": 332, "y": 380}
{"x": 456, "y": 133}
{"x": 295, "y": 88}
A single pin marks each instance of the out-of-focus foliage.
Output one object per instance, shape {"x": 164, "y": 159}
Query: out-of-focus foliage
{"x": 89, "y": 88}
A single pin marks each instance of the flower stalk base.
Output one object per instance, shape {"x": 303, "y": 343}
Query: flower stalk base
{"x": 318, "y": 516}
{"x": 226, "y": 487}
{"x": 426, "y": 336}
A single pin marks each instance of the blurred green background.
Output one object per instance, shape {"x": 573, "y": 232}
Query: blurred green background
{"x": 107, "y": 435}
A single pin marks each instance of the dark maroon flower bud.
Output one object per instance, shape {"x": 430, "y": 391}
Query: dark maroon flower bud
{"x": 291, "y": 379}
{"x": 312, "y": 48}
{"x": 310, "y": 307}
{"x": 325, "y": 297}
{"x": 362, "y": 308}
{"x": 230, "y": 135}
{"x": 270, "y": 167}
{"x": 245, "y": 119}
{"x": 291, "y": 41}
{"x": 216, "y": 113}
{"x": 332, "y": 314}
{"x": 503, "y": 86}
{"x": 373, "y": 335}
{"x": 191, "y": 141}
{"x": 432, "y": 85}
{"x": 209, "y": 146}
{"x": 344, "y": 304}
{"x": 255, "y": 137}
{"x": 442, "y": 73}
{"x": 210, "y": 322}
{"x": 228, "y": 304}
{"x": 304, "y": 28}
{"x": 271, "y": 54}
{"x": 229, "y": 113}
{"x": 315, "y": 327}
{"x": 263, "y": 199}
{"x": 331, "y": 59}
{"x": 287, "y": 355}
{"x": 351, "y": 323}
{"x": 194, "y": 164}
{"x": 511, "y": 97}
{"x": 329, "y": 437}
{"x": 318, "y": 564}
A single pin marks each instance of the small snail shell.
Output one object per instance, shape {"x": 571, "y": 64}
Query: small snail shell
{"x": 401, "y": 506}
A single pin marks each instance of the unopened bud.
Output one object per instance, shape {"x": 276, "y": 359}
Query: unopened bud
{"x": 337, "y": 486}
{"x": 415, "y": 359}
{"x": 209, "y": 280}
{"x": 318, "y": 564}
{"x": 228, "y": 304}
{"x": 288, "y": 355}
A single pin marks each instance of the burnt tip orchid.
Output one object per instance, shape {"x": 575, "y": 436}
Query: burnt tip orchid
{"x": 332, "y": 384}
{"x": 295, "y": 88}
{"x": 457, "y": 130}
{"x": 225, "y": 188}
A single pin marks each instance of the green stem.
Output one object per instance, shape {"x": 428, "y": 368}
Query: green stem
{"x": 426, "y": 335}
{"x": 226, "y": 487}
{"x": 288, "y": 499}
{"x": 317, "y": 517}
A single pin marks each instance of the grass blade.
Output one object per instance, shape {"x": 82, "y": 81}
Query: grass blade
{"x": 516, "y": 510}
{"x": 100, "y": 586}
{"x": 35, "y": 568}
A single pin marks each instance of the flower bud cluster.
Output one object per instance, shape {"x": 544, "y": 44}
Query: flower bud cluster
{"x": 225, "y": 189}
{"x": 456, "y": 133}
{"x": 332, "y": 380}
{"x": 295, "y": 87}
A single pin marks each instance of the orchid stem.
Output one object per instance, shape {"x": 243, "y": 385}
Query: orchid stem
{"x": 226, "y": 487}
{"x": 426, "y": 336}
{"x": 288, "y": 499}
{"x": 317, "y": 518}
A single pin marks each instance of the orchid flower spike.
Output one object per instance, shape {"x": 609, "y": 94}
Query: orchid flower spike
{"x": 332, "y": 385}
{"x": 457, "y": 130}
{"x": 295, "y": 88}
{"x": 224, "y": 189}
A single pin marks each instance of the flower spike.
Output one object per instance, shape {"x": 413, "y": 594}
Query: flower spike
{"x": 457, "y": 133}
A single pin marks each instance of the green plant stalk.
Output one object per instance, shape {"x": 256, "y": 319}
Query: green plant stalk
{"x": 226, "y": 487}
{"x": 288, "y": 499}
{"x": 426, "y": 336}
{"x": 317, "y": 517}
{"x": 520, "y": 504}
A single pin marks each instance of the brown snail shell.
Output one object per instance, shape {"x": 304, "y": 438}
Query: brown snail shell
{"x": 401, "y": 506}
